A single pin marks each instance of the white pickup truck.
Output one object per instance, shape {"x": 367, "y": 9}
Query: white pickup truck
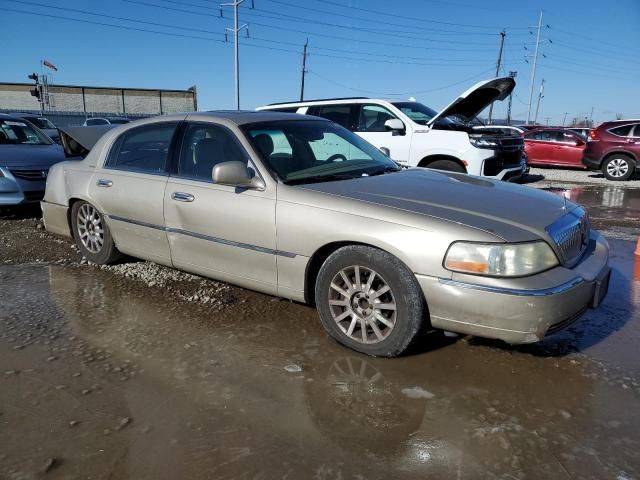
{"x": 415, "y": 135}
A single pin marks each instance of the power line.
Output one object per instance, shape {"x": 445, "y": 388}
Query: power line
{"x": 113, "y": 17}
{"x": 404, "y": 17}
{"x": 444, "y": 87}
{"x": 404, "y": 26}
{"x": 122, "y": 27}
{"x": 304, "y": 32}
{"x": 376, "y": 55}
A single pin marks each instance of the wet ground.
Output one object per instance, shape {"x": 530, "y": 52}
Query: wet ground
{"x": 108, "y": 373}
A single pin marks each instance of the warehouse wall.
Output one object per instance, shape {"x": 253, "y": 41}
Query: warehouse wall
{"x": 110, "y": 100}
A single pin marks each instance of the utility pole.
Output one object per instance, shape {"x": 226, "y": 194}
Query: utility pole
{"x": 533, "y": 69}
{"x": 565, "y": 118}
{"x": 591, "y": 118}
{"x": 540, "y": 95}
{"x": 546, "y": 119}
{"x": 512, "y": 75}
{"x": 502, "y": 35}
{"x": 235, "y": 4}
{"x": 304, "y": 69}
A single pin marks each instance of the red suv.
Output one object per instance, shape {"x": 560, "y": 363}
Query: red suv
{"x": 614, "y": 148}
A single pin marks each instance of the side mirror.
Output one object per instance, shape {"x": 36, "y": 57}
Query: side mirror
{"x": 236, "y": 174}
{"x": 386, "y": 151}
{"x": 395, "y": 126}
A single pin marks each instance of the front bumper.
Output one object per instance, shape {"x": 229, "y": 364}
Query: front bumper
{"x": 520, "y": 315}
{"x": 15, "y": 191}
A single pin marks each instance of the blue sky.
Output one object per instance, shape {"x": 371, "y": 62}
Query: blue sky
{"x": 429, "y": 49}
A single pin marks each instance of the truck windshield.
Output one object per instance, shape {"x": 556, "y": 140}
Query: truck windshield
{"x": 421, "y": 114}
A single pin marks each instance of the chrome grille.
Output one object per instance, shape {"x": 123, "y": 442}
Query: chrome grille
{"x": 571, "y": 235}
{"x": 33, "y": 175}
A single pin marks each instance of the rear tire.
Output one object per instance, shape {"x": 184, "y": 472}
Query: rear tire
{"x": 447, "y": 166}
{"x": 92, "y": 235}
{"x": 618, "y": 167}
{"x": 380, "y": 315}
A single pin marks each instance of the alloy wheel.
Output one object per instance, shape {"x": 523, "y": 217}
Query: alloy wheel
{"x": 90, "y": 228}
{"x": 617, "y": 167}
{"x": 362, "y": 304}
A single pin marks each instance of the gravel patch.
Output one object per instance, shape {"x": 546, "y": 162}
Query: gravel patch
{"x": 549, "y": 177}
{"x": 186, "y": 286}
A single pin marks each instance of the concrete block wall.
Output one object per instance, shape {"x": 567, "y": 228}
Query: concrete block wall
{"x": 114, "y": 101}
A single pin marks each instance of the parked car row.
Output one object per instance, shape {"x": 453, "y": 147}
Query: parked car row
{"x": 612, "y": 148}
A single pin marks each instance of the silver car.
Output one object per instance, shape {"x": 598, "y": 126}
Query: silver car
{"x": 299, "y": 207}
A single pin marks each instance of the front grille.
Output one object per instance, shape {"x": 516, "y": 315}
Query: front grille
{"x": 512, "y": 143}
{"x": 32, "y": 175}
{"x": 571, "y": 234}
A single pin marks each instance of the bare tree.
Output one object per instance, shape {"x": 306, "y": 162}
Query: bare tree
{"x": 619, "y": 116}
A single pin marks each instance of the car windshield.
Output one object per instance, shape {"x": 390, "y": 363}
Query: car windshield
{"x": 41, "y": 122}
{"x": 14, "y": 132}
{"x": 302, "y": 151}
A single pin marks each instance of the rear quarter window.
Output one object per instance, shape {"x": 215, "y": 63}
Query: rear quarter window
{"x": 622, "y": 131}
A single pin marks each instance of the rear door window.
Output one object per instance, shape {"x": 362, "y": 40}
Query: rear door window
{"x": 143, "y": 149}
{"x": 546, "y": 136}
{"x": 342, "y": 114}
{"x": 636, "y": 131}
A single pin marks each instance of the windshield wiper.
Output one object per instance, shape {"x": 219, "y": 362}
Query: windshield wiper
{"x": 322, "y": 178}
{"x": 384, "y": 170}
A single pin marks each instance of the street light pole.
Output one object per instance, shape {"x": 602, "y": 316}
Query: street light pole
{"x": 533, "y": 69}
{"x": 502, "y": 35}
{"x": 236, "y": 53}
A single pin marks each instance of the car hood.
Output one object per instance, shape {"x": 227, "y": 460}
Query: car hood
{"x": 512, "y": 212}
{"x": 25, "y": 156}
{"x": 477, "y": 98}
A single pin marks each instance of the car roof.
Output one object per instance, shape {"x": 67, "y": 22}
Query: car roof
{"x": 331, "y": 101}
{"x": 7, "y": 116}
{"x": 243, "y": 117}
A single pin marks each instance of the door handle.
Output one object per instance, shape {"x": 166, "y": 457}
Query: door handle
{"x": 182, "y": 197}
{"x": 104, "y": 183}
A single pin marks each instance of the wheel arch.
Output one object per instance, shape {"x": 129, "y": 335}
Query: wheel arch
{"x": 620, "y": 152}
{"x": 427, "y": 160}
{"x": 322, "y": 253}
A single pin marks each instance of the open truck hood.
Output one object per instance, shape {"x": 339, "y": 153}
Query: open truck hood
{"x": 78, "y": 141}
{"x": 477, "y": 98}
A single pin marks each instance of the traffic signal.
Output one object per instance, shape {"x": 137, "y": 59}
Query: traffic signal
{"x": 34, "y": 77}
{"x": 35, "y": 92}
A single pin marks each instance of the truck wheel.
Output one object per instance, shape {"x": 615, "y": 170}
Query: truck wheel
{"x": 447, "y": 166}
{"x": 92, "y": 235}
{"x": 618, "y": 167}
{"x": 369, "y": 301}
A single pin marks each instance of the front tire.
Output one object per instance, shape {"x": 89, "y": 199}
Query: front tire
{"x": 369, "y": 301}
{"x": 618, "y": 167}
{"x": 92, "y": 235}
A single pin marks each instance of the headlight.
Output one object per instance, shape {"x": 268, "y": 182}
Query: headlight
{"x": 484, "y": 142}
{"x": 500, "y": 259}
